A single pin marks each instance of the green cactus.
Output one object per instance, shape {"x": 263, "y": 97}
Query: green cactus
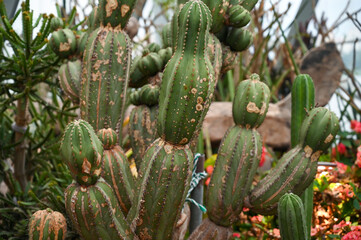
{"x": 81, "y": 44}
{"x": 164, "y": 179}
{"x": 150, "y": 64}
{"x": 250, "y": 107}
{"x": 239, "y": 39}
{"x": 167, "y": 35}
{"x": 165, "y": 54}
{"x": 47, "y": 225}
{"x": 214, "y": 48}
{"x": 228, "y": 59}
{"x": 291, "y": 218}
{"x": 63, "y": 42}
{"x": 115, "y": 13}
{"x": 82, "y": 152}
{"x": 303, "y": 98}
{"x": 105, "y": 79}
{"x": 249, "y": 4}
{"x": 296, "y": 170}
{"x": 95, "y": 213}
{"x": 116, "y": 170}
{"x": 185, "y": 95}
{"x": 69, "y": 79}
{"x": 218, "y": 10}
{"x": 238, "y": 156}
{"x": 56, "y": 23}
{"x": 238, "y": 16}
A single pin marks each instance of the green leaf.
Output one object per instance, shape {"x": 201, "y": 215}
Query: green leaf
{"x": 334, "y": 236}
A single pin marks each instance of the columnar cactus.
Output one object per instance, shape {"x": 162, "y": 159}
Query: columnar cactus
{"x": 291, "y": 218}
{"x": 47, "y": 225}
{"x": 185, "y": 95}
{"x": 238, "y": 157}
{"x": 106, "y": 65}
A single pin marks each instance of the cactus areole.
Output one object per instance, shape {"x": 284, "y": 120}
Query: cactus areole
{"x": 188, "y": 79}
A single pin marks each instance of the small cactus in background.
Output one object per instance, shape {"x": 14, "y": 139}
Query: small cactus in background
{"x": 291, "y": 218}
{"x": 63, "y": 42}
{"x": 47, "y": 225}
{"x": 69, "y": 78}
{"x": 143, "y": 120}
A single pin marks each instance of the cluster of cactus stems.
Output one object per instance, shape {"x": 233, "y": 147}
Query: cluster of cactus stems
{"x": 176, "y": 86}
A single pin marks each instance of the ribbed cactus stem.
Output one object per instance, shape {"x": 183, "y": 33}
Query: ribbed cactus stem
{"x": 291, "y": 218}
{"x": 303, "y": 98}
{"x": 185, "y": 95}
{"x": 47, "y": 225}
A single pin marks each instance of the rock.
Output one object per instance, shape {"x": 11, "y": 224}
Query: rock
{"x": 275, "y": 130}
{"x": 324, "y": 64}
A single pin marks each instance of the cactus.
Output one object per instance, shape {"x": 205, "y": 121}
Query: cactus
{"x": 63, "y": 42}
{"x": 215, "y": 55}
{"x": 228, "y": 59}
{"x": 238, "y": 156}
{"x": 47, "y": 225}
{"x": 291, "y": 218}
{"x": 116, "y": 170}
{"x": 143, "y": 120}
{"x": 239, "y": 39}
{"x": 164, "y": 181}
{"x": 303, "y": 98}
{"x": 82, "y": 152}
{"x": 238, "y": 16}
{"x": 297, "y": 168}
{"x": 69, "y": 78}
{"x": 251, "y": 104}
{"x": 95, "y": 213}
{"x": 106, "y": 65}
{"x": 56, "y": 23}
{"x": 185, "y": 95}
{"x": 218, "y": 10}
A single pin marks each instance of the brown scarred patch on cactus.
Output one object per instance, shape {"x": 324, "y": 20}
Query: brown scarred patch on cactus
{"x": 315, "y": 156}
{"x": 124, "y": 9}
{"x": 110, "y": 6}
{"x": 329, "y": 138}
{"x": 308, "y": 151}
{"x": 64, "y": 47}
{"x": 252, "y": 108}
{"x": 47, "y": 224}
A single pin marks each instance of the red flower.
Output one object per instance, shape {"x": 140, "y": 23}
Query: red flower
{"x": 356, "y": 126}
{"x": 341, "y": 148}
{"x": 207, "y": 181}
{"x": 263, "y": 156}
{"x": 209, "y": 169}
{"x": 342, "y": 168}
{"x": 358, "y": 157}
{"x": 237, "y": 235}
{"x": 354, "y": 235}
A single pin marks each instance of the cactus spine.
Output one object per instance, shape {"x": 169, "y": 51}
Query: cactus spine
{"x": 47, "y": 224}
{"x": 291, "y": 218}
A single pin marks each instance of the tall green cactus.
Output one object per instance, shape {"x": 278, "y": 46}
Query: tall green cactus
{"x": 239, "y": 153}
{"x": 106, "y": 65}
{"x": 291, "y": 218}
{"x": 185, "y": 95}
{"x": 303, "y": 98}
